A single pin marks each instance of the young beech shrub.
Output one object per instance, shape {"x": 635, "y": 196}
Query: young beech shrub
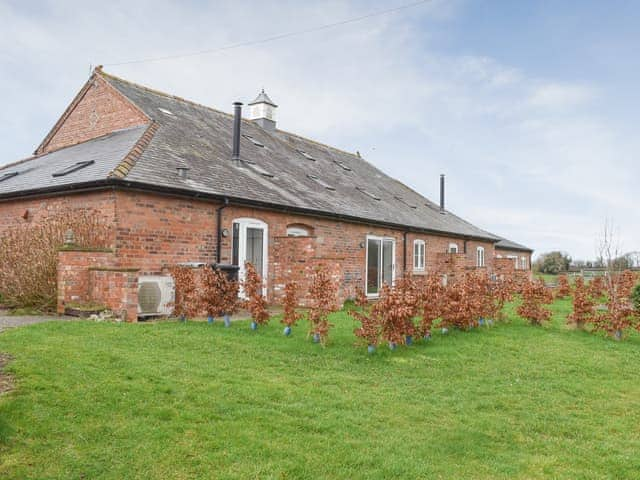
{"x": 187, "y": 302}
{"x": 502, "y": 292}
{"x": 370, "y": 323}
{"x": 596, "y": 287}
{"x": 433, "y": 294}
{"x": 625, "y": 283}
{"x": 534, "y": 296}
{"x": 255, "y": 302}
{"x": 564, "y": 290}
{"x": 583, "y": 305}
{"x": 396, "y": 308}
{"x": 290, "y": 316}
{"x": 218, "y": 294}
{"x": 463, "y": 303}
{"x": 619, "y": 314}
{"x": 323, "y": 293}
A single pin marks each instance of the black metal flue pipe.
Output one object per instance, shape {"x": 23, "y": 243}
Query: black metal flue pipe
{"x": 442, "y": 193}
{"x": 237, "y": 121}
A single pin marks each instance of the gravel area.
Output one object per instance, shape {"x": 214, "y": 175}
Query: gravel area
{"x": 11, "y": 321}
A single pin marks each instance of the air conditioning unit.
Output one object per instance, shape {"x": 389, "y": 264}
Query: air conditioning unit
{"x": 156, "y": 295}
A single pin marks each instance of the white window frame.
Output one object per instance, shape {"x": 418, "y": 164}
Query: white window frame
{"x": 419, "y": 262}
{"x": 297, "y": 232}
{"x": 480, "y": 260}
{"x": 453, "y": 248}
{"x": 366, "y": 263}
{"x": 245, "y": 223}
{"x": 523, "y": 263}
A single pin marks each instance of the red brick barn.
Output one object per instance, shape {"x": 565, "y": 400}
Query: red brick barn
{"x": 181, "y": 182}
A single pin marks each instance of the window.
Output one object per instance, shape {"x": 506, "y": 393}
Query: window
{"x": 257, "y": 168}
{"x": 73, "y": 168}
{"x": 453, "y": 248}
{"x": 320, "y": 182}
{"x": 306, "y": 155}
{"x": 381, "y": 264}
{"x": 253, "y": 140}
{"x": 480, "y": 257}
{"x": 297, "y": 231}
{"x": 418, "y": 255}
{"x": 402, "y": 200}
{"x": 523, "y": 263}
{"x": 343, "y": 166}
{"x": 367, "y": 193}
{"x": 7, "y": 176}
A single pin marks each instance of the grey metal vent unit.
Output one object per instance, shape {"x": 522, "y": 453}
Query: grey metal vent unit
{"x": 402, "y": 200}
{"x": 368, "y": 193}
{"x": 149, "y": 297}
{"x": 156, "y": 295}
{"x": 306, "y": 155}
{"x": 320, "y": 182}
{"x": 254, "y": 141}
{"x": 343, "y": 166}
{"x": 7, "y": 176}
{"x": 257, "y": 168}
{"x": 73, "y": 168}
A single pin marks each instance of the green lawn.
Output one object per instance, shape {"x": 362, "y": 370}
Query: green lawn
{"x": 170, "y": 400}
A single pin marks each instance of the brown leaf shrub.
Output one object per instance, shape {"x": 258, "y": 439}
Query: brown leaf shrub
{"x": 218, "y": 294}
{"x": 564, "y": 289}
{"x": 395, "y": 309}
{"x": 464, "y": 302}
{"x": 323, "y": 293}
{"x": 255, "y": 303}
{"x": 534, "y": 296}
{"x": 187, "y": 302}
{"x": 619, "y": 314}
{"x": 583, "y": 305}
{"x": 596, "y": 287}
{"x": 29, "y": 256}
{"x": 433, "y": 294}
{"x": 502, "y": 292}
{"x": 290, "y": 317}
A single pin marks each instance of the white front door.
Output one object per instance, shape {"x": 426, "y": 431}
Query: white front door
{"x": 250, "y": 244}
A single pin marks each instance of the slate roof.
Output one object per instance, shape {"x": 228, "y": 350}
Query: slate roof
{"x": 199, "y": 137}
{"x": 505, "y": 244}
{"x": 36, "y": 173}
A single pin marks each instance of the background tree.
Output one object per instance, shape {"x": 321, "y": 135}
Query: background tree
{"x": 553, "y": 262}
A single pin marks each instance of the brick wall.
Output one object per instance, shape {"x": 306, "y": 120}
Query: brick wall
{"x": 73, "y": 274}
{"x": 154, "y": 232}
{"x": 98, "y": 110}
{"x": 25, "y": 212}
{"x": 115, "y": 288}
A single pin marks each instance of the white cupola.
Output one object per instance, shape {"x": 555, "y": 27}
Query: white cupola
{"x": 263, "y": 111}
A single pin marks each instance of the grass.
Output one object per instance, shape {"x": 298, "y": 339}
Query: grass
{"x": 171, "y": 400}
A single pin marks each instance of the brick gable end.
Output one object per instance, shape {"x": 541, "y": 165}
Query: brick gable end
{"x": 96, "y": 111}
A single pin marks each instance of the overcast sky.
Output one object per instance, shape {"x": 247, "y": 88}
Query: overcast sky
{"x": 529, "y": 108}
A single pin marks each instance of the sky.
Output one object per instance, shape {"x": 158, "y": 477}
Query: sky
{"x": 529, "y": 108}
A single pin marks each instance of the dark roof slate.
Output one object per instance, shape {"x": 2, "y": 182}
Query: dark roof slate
{"x": 36, "y": 173}
{"x": 510, "y": 245}
{"x": 200, "y": 138}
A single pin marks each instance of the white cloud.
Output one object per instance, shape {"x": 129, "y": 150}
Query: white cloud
{"x": 526, "y": 157}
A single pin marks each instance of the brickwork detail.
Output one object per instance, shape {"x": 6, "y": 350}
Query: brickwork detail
{"x": 97, "y": 110}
